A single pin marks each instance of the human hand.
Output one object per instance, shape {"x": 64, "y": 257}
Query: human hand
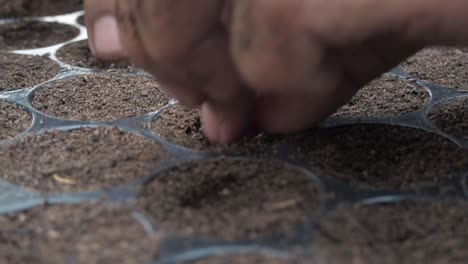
{"x": 280, "y": 66}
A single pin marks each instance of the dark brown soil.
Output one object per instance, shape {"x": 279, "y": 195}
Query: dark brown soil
{"x": 384, "y": 97}
{"x": 23, "y": 8}
{"x": 452, "y": 117}
{"x": 80, "y": 160}
{"x": 182, "y": 127}
{"x": 21, "y": 71}
{"x": 443, "y": 66}
{"x": 13, "y": 120}
{"x": 81, "y": 20}
{"x": 78, "y": 54}
{"x": 249, "y": 259}
{"x": 383, "y": 156}
{"x": 91, "y": 234}
{"x": 30, "y": 35}
{"x": 231, "y": 199}
{"x": 105, "y": 97}
{"x": 407, "y": 232}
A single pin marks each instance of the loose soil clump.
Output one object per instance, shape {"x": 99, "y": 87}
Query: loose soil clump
{"x": 13, "y": 120}
{"x": 383, "y": 156}
{"x": 406, "y": 232}
{"x": 28, "y": 8}
{"x": 80, "y": 160}
{"x": 452, "y": 117}
{"x": 21, "y": 71}
{"x": 102, "y": 97}
{"x": 80, "y": 234}
{"x": 231, "y": 199}
{"x": 34, "y": 34}
{"x": 78, "y": 54}
{"x": 441, "y": 65}
{"x": 385, "y": 97}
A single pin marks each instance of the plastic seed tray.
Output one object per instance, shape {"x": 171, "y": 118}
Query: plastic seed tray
{"x": 375, "y": 185}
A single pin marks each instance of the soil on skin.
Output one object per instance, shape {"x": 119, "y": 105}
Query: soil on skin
{"x": 34, "y": 34}
{"x": 80, "y": 160}
{"x": 452, "y": 117}
{"x": 91, "y": 234}
{"x": 104, "y": 97}
{"x": 28, "y": 8}
{"x": 21, "y": 71}
{"x": 407, "y": 232}
{"x": 442, "y": 66}
{"x": 183, "y": 127}
{"x": 231, "y": 199}
{"x": 13, "y": 120}
{"x": 385, "y": 97}
{"x": 78, "y": 54}
{"x": 383, "y": 156}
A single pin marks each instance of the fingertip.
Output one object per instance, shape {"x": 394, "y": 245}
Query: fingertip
{"x": 106, "y": 43}
{"x": 221, "y": 126}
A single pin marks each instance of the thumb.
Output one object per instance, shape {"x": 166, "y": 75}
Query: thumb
{"x": 103, "y": 34}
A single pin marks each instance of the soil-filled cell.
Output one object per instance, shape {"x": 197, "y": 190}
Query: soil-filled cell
{"x": 29, "y": 8}
{"x": 34, "y": 34}
{"x": 452, "y": 117}
{"x": 385, "y": 97}
{"x": 407, "y": 232}
{"x": 442, "y": 66}
{"x": 104, "y": 97}
{"x": 183, "y": 127}
{"x": 21, "y": 71}
{"x": 80, "y": 160}
{"x": 78, "y": 54}
{"x": 13, "y": 120}
{"x": 80, "y": 234}
{"x": 383, "y": 156}
{"x": 231, "y": 199}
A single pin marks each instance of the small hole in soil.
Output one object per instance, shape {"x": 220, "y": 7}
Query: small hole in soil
{"x": 249, "y": 259}
{"x": 81, "y": 20}
{"x": 13, "y": 120}
{"x": 78, "y": 54}
{"x": 87, "y": 233}
{"x": 406, "y": 232}
{"x": 384, "y": 97}
{"x": 28, "y": 8}
{"x": 183, "y": 127}
{"x": 232, "y": 199}
{"x": 21, "y": 71}
{"x": 80, "y": 160}
{"x": 105, "y": 97}
{"x": 34, "y": 34}
{"x": 383, "y": 156}
{"x": 452, "y": 117}
{"x": 442, "y": 66}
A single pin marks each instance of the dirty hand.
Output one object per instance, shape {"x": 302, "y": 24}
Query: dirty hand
{"x": 279, "y": 66}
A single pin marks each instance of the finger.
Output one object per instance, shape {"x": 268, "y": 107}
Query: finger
{"x": 173, "y": 78}
{"x": 224, "y": 124}
{"x": 184, "y": 44}
{"x": 103, "y": 35}
{"x": 295, "y": 112}
{"x": 271, "y": 47}
{"x": 160, "y": 36}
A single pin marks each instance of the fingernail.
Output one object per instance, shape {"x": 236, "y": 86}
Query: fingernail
{"x": 106, "y": 38}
